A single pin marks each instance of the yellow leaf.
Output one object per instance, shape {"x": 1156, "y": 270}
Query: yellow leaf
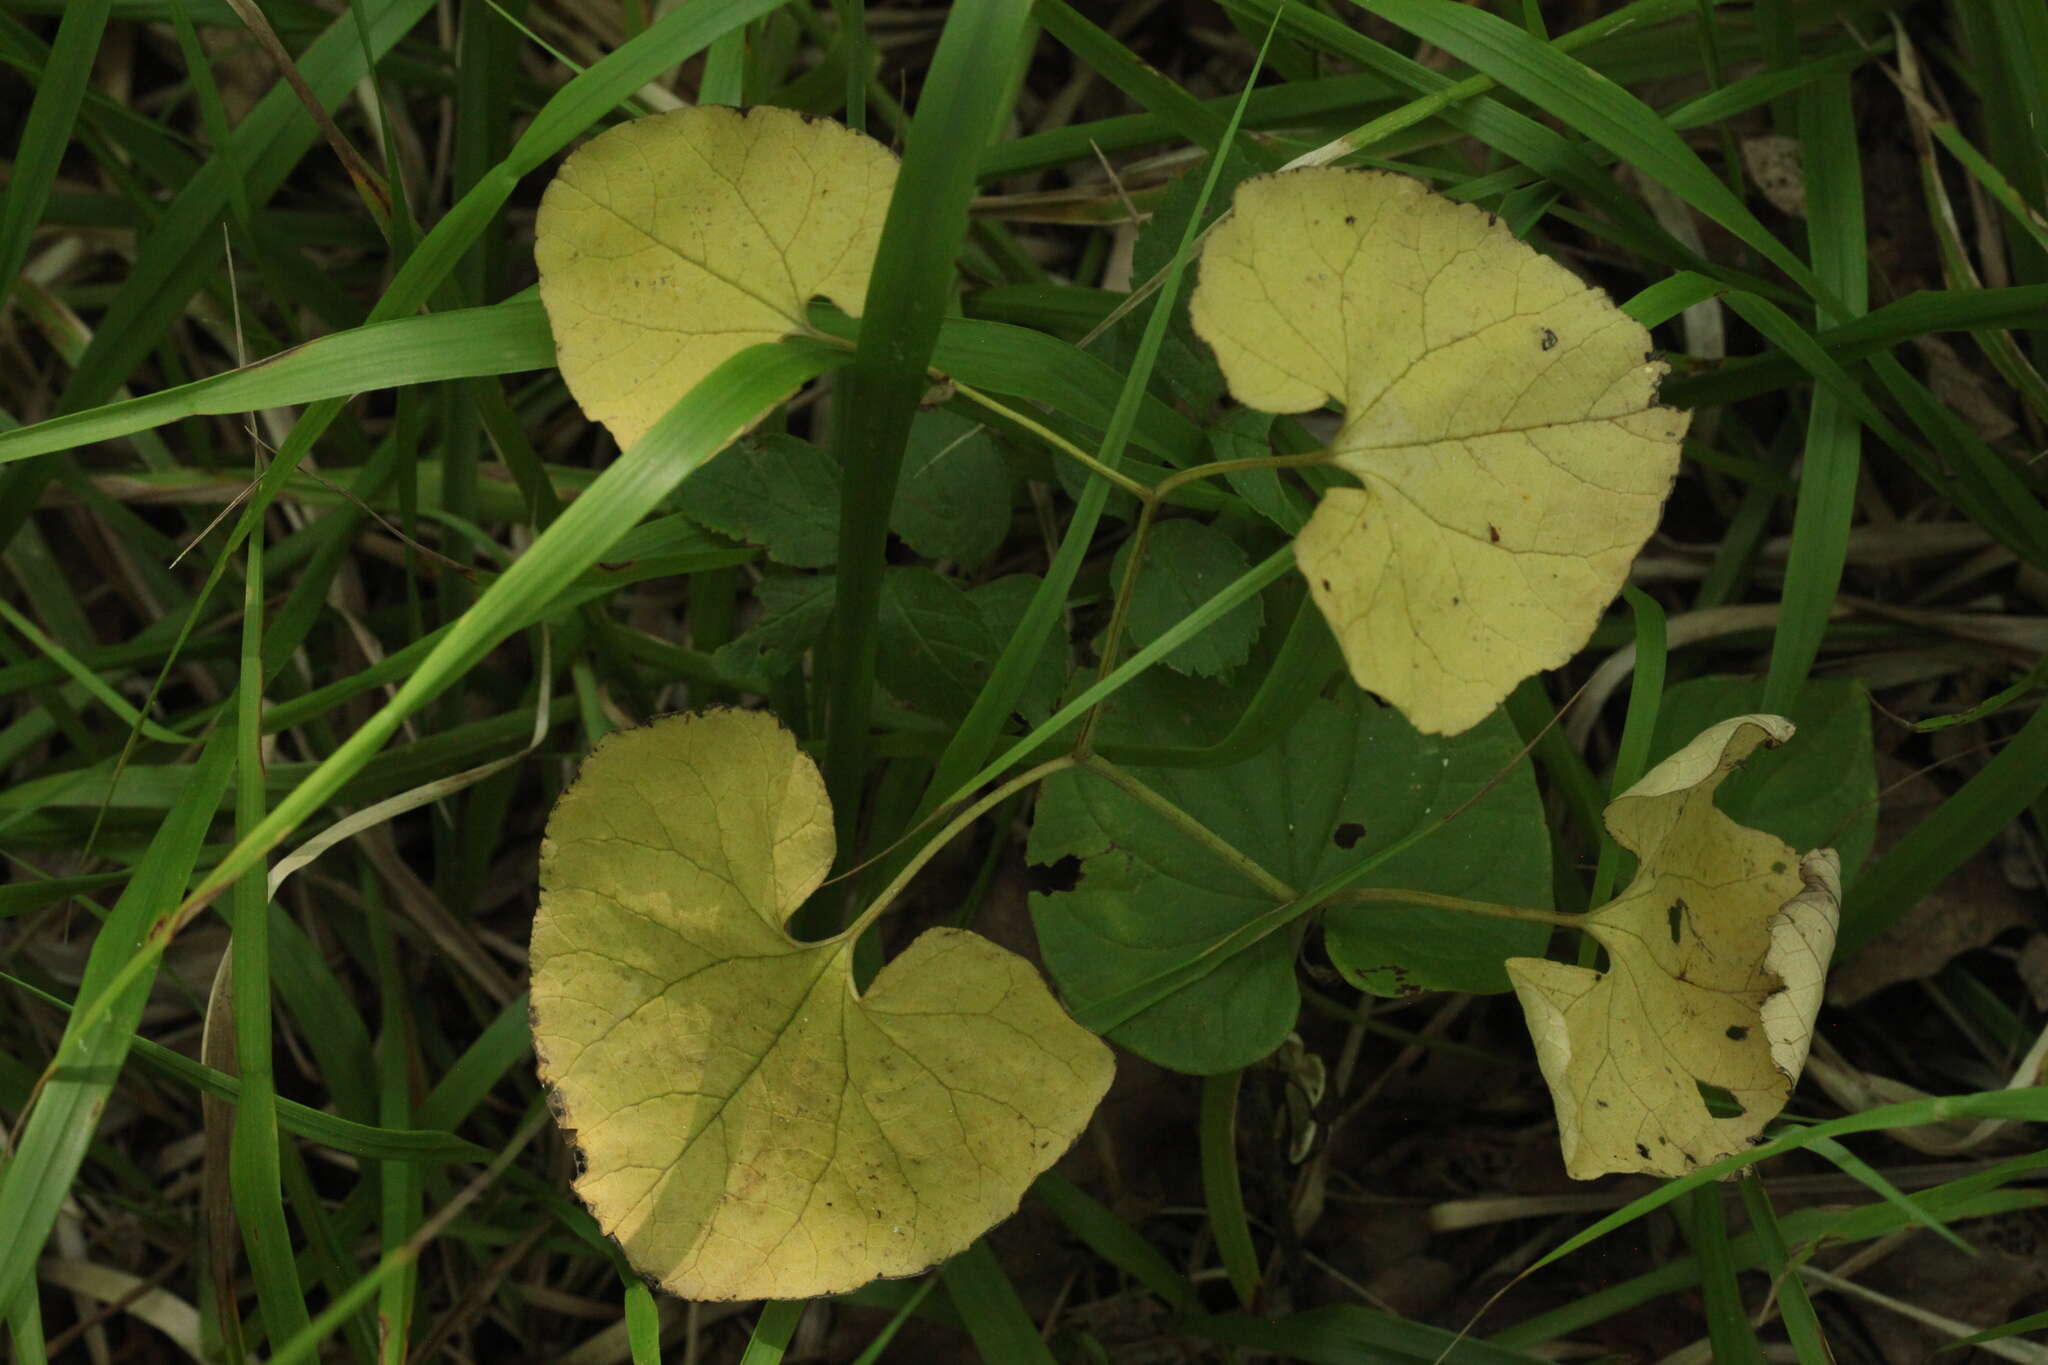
{"x": 669, "y": 244}
{"x": 750, "y": 1125}
{"x": 1717, "y": 954}
{"x": 1499, "y": 415}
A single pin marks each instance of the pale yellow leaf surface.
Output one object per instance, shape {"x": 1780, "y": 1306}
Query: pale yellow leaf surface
{"x": 1500, "y": 417}
{"x": 749, "y": 1125}
{"x": 1717, "y": 956}
{"x": 669, "y": 244}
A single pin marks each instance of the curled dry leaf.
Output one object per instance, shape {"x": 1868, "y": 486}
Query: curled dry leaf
{"x": 1717, "y": 956}
{"x": 670, "y": 244}
{"x": 751, "y": 1126}
{"x": 1500, "y": 418}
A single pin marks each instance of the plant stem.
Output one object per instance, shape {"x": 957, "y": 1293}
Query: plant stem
{"x": 1152, "y": 498}
{"x": 1172, "y": 482}
{"x": 1085, "y": 744}
{"x": 974, "y": 811}
{"x": 1434, "y": 901}
{"x": 1189, "y": 825}
{"x": 1050, "y": 437}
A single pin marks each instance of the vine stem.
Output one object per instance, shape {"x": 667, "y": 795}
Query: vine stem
{"x": 973, "y": 811}
{"x": 1434, "y": 901}
{"x": 1142, "y": 492}
{"x": 1188, "y": 825}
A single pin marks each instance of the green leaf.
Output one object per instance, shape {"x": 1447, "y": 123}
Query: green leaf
{"x": 1186, "y": 564}
{"x": 794, "y": 609}
{"x": 1246, "y": 434}
{"x": 954, "y": 498}
{"x": 773, "y": 491}
{"x": 1820, "y": 791}
{"x": 935, "y": 650}
{"x": 1349, "y": 778}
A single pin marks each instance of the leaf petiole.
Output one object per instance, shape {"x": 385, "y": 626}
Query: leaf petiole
{"x": 973, "y": 811}
{"x": 1053, "y": 439}
{"x": 1188, "y": 825}
{"x": 1433, "y": 901}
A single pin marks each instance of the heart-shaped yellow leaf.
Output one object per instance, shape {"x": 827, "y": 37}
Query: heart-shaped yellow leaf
{"x": 1717, "y": 955}
{"x": 1500, "y": 417}
{"x": 669, "y": 244}
{"x": 750, "y": 1125}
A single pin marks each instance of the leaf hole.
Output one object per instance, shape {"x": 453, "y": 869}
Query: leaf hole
{"x": 1549, "y": 342}
{"x": 1737, "y": 1032}
{"x": 1050, "y": 879}
{"x": 1348, "y": 834}
{"x": 1674, "y": 919}
{"x": 1719, "y": 1102}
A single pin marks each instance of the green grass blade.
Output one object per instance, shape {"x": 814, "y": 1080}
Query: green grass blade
{"x": 772, "y": 1332}
{"x": 990, "y": 1310}
{"x": 643, "y": 1320}
{"x": 47, "y": 131}
{"x": 2027, "y": 1105}
{"x": 1834, "y": 438}
{"x": 1101, "y": 53}
{"x": 52, "y": 1145}
{"x": 1945, "y": 840}
{"x": 701, "y": 424}
{"x": 1728, "y": 1327}
{"x": 1345, "y": 1335}
{"x": 253, "y": 1174}
{"x": 89, "y": 680}
{"x": 343, "y": 1135}
{"x": 1221, "y": 1191}
{"x": 877, "y": 395}
{"x": 268, "y": 143}
{"x": 1875, "y": 1182}
{"x": 1114, "y": 1240}
{"x": 1646, "y": 691}
{"x": 977, "y": 733}
{"x": 1596, "y": 107}
{"x": 509, "y": 337}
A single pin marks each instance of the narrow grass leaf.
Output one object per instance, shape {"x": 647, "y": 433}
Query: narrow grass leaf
{"x": 46, "y": 133}
{"x": 1834, "y": 439}
{"x": 52, "y": 1145}
{"x": 1116, "y": 1241}
{"x": 1728, "y": 1329}
{"x": 991, "y": 1311}
{"x": 2026, "y": 1105}
{"x": 1346, "y": 1335}
{"x": 509, "y": 337}
{"x": 702, "y": 423}
{"x": 253, "y": 1175}
{"x": 1950, "y": 837}
{"x": 1874, "y": 1181}
{"x": 1221, "y": 1190}
{"x": 1594, "y": 106}
{"x": 1109, "y": 59}
{"x": 877, "y": 396}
